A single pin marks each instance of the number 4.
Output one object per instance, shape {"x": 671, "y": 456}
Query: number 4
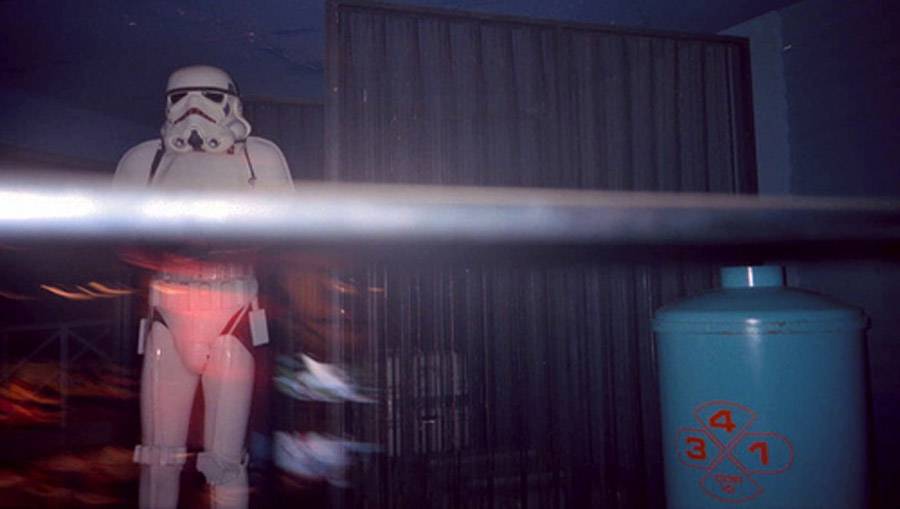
{"x": 722, "y": 419}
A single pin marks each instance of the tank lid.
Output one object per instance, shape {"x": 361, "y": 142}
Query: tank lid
{"x": 752, "y": 276}
{"x": 755, "y": 300}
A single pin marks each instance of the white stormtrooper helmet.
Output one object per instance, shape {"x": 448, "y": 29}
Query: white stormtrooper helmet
{"x": 203, "y": 111}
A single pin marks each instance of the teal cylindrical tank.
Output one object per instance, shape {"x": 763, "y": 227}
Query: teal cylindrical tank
{"x": 763, "y": 394}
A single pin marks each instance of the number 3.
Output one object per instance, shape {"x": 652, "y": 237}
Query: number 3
{"x": 698, "y": 450}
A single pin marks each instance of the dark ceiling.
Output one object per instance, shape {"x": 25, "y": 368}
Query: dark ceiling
{"x": 113, "y": 57}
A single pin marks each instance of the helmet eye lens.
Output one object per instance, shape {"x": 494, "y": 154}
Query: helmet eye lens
{"x": 213, "y": 95}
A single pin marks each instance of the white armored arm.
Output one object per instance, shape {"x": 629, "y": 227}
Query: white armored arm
{"x": 268, "y": 164}
{"x": 134, "y": 167}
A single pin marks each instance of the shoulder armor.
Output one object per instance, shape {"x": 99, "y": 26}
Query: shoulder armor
{"x": 268, "y": 162}
{"x": 134, "y": 167}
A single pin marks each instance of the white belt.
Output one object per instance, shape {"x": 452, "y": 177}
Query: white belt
{"x": 203, "y": 272}
{"x": 202, "y": 294}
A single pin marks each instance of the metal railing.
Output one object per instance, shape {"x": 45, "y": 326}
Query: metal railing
{"x": 73, "y": 342}
{"x": 386, "y": 215}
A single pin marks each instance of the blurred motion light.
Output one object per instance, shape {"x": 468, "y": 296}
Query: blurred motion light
{"x": 19, "y": 206}
{"x": 209, "y": 209}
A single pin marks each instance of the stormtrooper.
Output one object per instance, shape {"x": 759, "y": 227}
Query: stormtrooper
{"x": 204, "y": 317}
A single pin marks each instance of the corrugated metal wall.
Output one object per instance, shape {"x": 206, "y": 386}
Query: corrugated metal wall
{"x": 513, "y": 385}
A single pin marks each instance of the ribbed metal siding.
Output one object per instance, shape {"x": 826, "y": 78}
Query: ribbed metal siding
{"x": 503, "y": 384}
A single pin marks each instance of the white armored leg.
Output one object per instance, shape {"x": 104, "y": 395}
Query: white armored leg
{"x": 167, "y": 393}
{"x": 227, "y": 389}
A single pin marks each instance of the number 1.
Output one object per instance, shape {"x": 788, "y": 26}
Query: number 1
{"x": 763, "y": 449}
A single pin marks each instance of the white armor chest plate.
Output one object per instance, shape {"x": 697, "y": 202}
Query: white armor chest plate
{"x": 203, "y": 171}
